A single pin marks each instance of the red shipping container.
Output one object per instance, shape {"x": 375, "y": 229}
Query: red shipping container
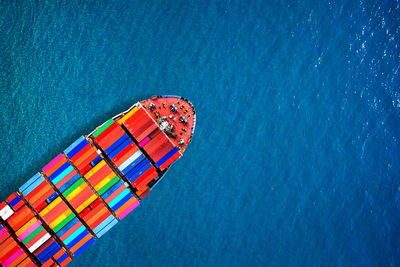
{"x": 79, "y": 199}
{"x": 81, "y": 153}
{"x": 50, "y": 263}
{"x": 122, "y": 156}
{"x": 152, "y": 144}
{"x": 19, "y": 205}
{"x": 53, "y": 214}
{"x": 18, "y": 260}
{"x": 156, "y": 132}
{"x": 88, "y": 152}
{"x": 44, "y": 246}
{"x": 12, "y": 197}
{"x": 3, "y": 237}
{"x": 115, "y": 194}
{"x": 85, "y": 169}
{"x": 144, "y": 194}
{"x": 156, "y": 138}
{"x": 83, "y": 158}
{"x": 88, "y": 218}
{"x": 150, "y": 150}
{"x": 140, "y": 123}
{"x": 66, "y": 262}
{"x": 111, "y": 138}
{"x": 145, "y": 178}
{"x": 95, "y": 203}
{"x": 109, "y": 129}
{"x": 87, "y": 161}
{"x": 95, "y": 214}
{"x": 143, "y": 127}
{"x": 85, "y": 212}
{"x": 10, "y": 251}
{"x": 99, "y": 176}
{"x": 101, "y": 219}
{"x": 5, "y": 247}
{"x": 36, "y": 238}
{"x": 138, "y": 118}
{"x": 150, "y": 172}
{"x": 161, "y": 151}
{"x": 66, "y": 179}
{"x": 41, "y": 206}
{"x": 130, "y": 128}
{"x": 132, "y": 120}
{"x": 45, "y": 191}
{"x": 106, "y": 132}
{"x": 35, "y": 194}
{"x": 43, "y": 198}
{"x": 170, "y": 161}
{"x": 146, "y": 132}
{"x": 35, "y": 191}
{"x": 70, "y": 231}
{"x": 17, "y": 220}
{"x": 27, "y": 262}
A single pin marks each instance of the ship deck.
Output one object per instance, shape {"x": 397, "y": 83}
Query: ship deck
{"x": 182, "y": 117}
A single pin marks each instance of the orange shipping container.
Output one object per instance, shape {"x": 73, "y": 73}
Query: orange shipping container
{"x": 55, "y": 167}
{"x": 18, "y": 260}
{"x": 81, "y": 243}
{"x": 27, "y": 263}
{"x": 18, "y": 219}
{"x": 81, "y": 153}
{"x": 6, "y": 246}
{"x": 125, "y": 206}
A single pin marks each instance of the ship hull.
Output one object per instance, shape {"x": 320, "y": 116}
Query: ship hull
{"x": 94, "y": 183}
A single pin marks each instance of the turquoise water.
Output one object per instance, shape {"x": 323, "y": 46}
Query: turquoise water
{"x": 295, "y": 158}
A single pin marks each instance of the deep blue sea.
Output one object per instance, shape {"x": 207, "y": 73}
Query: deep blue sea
{"x": 296, "y": 156}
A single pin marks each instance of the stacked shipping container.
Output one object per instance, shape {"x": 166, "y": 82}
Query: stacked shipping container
{"x": 11, "y": 253}
{"x": 28, "y": 230}
{"x": 114, "y": 192}
{"x": 79, "y": 195}
{"x": 149, "y": 136}
{"x": 104, "y": 180}
{"x": 57, "y": 215}
{"x": 111, "y": 138}
{"x": 124, "y": 154}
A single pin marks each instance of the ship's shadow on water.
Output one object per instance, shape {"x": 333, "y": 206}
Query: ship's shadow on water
{"x": 13, "y": 183}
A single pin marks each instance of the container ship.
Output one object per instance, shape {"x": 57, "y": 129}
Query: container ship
{"x": 95, "y": 182}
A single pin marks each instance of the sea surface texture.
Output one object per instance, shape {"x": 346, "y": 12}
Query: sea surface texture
{"x": 296, "y": 156}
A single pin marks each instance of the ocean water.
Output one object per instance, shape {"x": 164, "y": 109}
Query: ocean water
{"x": 295, "y": 158}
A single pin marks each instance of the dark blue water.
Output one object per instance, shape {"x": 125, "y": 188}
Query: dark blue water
{"x": 295, "y": 159}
